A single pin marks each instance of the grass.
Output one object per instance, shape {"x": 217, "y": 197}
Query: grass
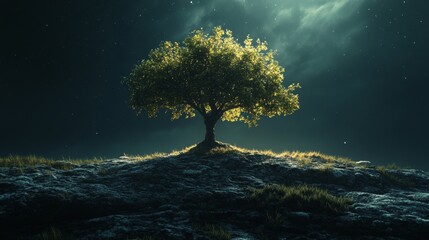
{"x": 391, "y": 166}
{"x": 298, "y": 198}
{"x": 308, "y": 157}
{"x": 275, "y": 202}
{"x": 33, "y": 161}
{"x": 139, "y": 158}
{"x": 392, "y": 178}
{"x": 303, "y": 158}
{"x": 326, "y": 167}
{"x": 214, "y": 232}
{"x": 323, "y": 162}
{"x": 51, "y": 234}
{"x": 230, "y": 149}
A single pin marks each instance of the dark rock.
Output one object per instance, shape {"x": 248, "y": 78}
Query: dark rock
{"x": 168, "y": 197}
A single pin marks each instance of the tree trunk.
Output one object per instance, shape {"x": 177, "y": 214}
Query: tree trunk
{"x": 210, "y": 137}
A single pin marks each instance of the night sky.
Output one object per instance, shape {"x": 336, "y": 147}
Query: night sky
{"x": 363, "y": 66}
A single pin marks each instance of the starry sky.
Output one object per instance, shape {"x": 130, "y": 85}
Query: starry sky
{"x": 362, "y": 65}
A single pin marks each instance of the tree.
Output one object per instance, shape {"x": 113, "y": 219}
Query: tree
{"x": 215, "y": 76}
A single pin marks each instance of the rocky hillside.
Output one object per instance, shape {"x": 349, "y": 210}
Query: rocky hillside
{"x": 232, "y": 194}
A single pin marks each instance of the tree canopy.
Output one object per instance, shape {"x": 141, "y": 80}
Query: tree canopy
{"x": 213, "y": 75}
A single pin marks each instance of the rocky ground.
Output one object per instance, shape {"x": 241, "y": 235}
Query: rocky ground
{"x": 205, "y": 197}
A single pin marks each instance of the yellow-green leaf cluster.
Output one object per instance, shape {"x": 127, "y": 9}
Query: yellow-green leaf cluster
{"x": 214, "y": 75}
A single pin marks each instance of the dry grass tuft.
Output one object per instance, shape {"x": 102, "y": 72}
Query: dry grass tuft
{"x": 298, "y": 198}
{"x": 214, "y": 232}
{"x": 387, "y": 174}
{"x": 156, "y": 155}
{"x": 303, "y": 158}
{"x": 140, "y": 158}
{"x": 33, "y": 161}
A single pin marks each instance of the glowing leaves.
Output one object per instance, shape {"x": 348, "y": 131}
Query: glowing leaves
{"x": 232, "y": 115}
{"x": 212, "y": 74}
{"x": 248, "y": 42}
{"x": 261, "y": 46}
{"x": 181, "y": 110}
{"x": 218, "y": 33}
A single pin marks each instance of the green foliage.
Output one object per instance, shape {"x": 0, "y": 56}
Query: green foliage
{"x": 213, "y": 75}
{"x": 298, "y": 198}
{"x": 31, "y": 161}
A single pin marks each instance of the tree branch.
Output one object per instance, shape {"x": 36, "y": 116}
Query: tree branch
{"x": 203, "y": 110}
{"x": 213, "y": 106}
{"x": 194, "y": 105}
